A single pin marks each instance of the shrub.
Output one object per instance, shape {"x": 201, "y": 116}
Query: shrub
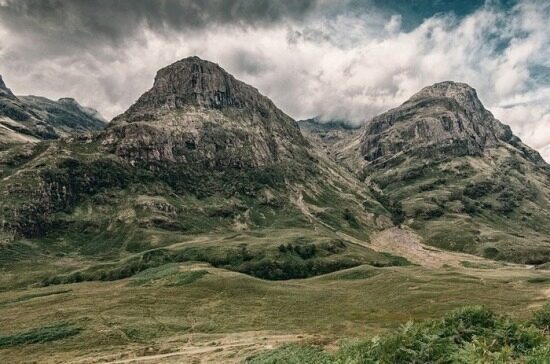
{"x": 479, "y": 189}
{"x": 351, "y": 219}
{"x": 394, "y": 207}
{"x": 468, "y": 335}
{"x": 541, "y": 318}
{"x": 292, "y": 354}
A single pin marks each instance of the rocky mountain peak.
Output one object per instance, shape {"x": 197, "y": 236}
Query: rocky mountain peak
{"x": 194, "y": 82}
{"x": 446, "y": 89}
{"x": 197, "y": 113}
{"x": 198, "y": 82}
{"x": 446, "y": 117}
{"x": 461, "y": 93}
{"x": 68, "y": 101}
{"x": 4, "y": 90}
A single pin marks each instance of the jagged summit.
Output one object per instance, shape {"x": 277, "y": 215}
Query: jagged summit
{"x": 461, "y": 93}
{"x": 446, "y": 117}
{"x": 196, "y": 112}
{"x": 194, "y": 82}
{"x": 4, "y": 90}
{"x": 450, "y": 89}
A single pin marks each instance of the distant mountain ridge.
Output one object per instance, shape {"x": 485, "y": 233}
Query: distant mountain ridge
{"x": 31, "y": 118}
{"x": 328, "y": 135}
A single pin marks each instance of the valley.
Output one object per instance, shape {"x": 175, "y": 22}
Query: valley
{"x": 192, "y": 311}
{"x": 204, "y": 225}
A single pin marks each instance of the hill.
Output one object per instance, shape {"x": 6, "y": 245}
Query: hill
{"x": 443, "y": 165}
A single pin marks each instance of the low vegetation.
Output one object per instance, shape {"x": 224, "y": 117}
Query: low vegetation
{"x": 300, "y": 259}
{"x": 39, "y": 335}
{"x": 468, "y": 335}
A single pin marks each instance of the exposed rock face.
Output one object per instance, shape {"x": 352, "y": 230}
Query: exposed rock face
{"x": 198, "y": 113}
{"x": 4, "y": 90}
{"x": 32, "y": 118}
{"x": 10, "y": 106}
{"x": 447, "y": 116}
{"x": 196, "y": 82}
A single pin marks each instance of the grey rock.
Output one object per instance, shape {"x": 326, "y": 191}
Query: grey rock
{"x": 446, "y": 115}
{"x": 198, "y": 113}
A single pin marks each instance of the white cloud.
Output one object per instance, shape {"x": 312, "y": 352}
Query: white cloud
{"x": 394, "y": 25}
{"x": 351, "y": 66}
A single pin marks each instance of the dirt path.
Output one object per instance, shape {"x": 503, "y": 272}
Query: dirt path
{"x": 230, "y": 348}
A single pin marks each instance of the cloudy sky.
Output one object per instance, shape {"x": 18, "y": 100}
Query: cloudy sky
{"x": 338, "y": 59}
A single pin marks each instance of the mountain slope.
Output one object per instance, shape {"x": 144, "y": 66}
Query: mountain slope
{"x": 444, "y": 165}
{"x": 31, "y": 118}
{"x": 199, "y": 153}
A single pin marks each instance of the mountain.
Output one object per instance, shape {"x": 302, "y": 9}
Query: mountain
{"x": 204, "y": 152}
{"x": 199, "y": 153}
{"x": 167, "y": 233}
{"x": 198, "y": 113}
{"x": 446, "y": 167}
{"x": 4, "y": 90}
{"x": 447, "y": 118}
{"x": 31, "y": 119}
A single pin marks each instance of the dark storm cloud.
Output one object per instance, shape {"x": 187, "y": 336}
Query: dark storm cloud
{"x": 100, "y": 20}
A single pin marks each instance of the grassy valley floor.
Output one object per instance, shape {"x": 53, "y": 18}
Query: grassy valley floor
{"x": 194, "y": 312}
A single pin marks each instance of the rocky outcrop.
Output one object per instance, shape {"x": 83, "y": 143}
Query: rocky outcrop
{"x": 5, "y": 91}
{"x": 197, "y": 113}
{"x": 446, "y": 118}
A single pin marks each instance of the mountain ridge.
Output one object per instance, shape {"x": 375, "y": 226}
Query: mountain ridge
{"x": 29, "y": 119}
{"x": 456, "y": 174}
{"x": 209, "y": 153}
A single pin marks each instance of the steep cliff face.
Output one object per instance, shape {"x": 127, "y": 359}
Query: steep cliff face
{"x": 442, "y": 164}
{"x": 198, "y": 113}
